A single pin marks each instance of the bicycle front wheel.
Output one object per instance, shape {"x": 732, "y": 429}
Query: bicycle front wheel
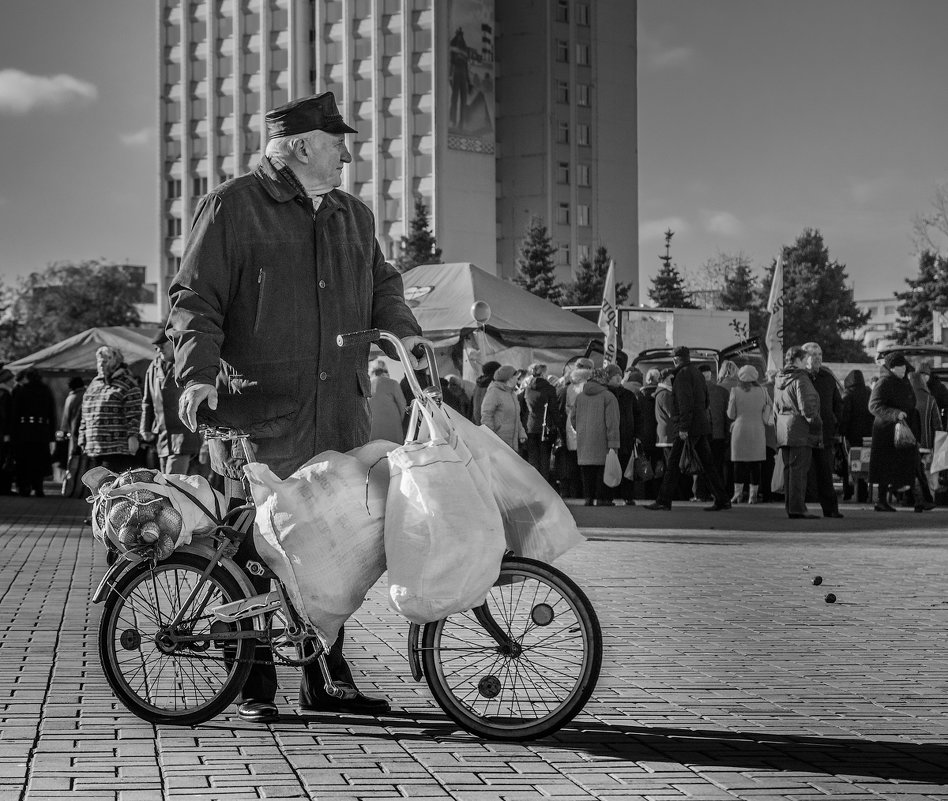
{"x": 156, "y": 679}
{"x": 524, "y": 664}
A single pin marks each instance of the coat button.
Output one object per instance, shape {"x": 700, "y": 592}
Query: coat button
{"x": 323, "y": 375}
{"x": 322, "y": 284}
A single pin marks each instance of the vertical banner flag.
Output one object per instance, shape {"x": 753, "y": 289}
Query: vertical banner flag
{"x": 608, "y": 316}
{"x": 774, "y": 339}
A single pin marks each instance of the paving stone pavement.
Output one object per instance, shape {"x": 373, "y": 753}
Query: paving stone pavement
{"x": 725, "y": 676}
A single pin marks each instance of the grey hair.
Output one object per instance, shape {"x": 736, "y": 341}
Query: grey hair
{"x": 283, "y": 147}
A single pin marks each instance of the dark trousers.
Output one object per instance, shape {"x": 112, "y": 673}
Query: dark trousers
{"x": 570, "y": 482}
{"x": 32, "y": 466}
{"x": 821, "y": 472}
{"x": 747, "y": 473}
{"x": 593, "y": 487}
{"x": 538, "y": 454}
{"x": 796, "y": 465}
{"x": 673, "y": 471}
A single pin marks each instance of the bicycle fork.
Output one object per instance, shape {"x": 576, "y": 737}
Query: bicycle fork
{"x": 274, "y": 601}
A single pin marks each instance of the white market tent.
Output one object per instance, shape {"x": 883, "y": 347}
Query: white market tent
{"x": 522, "y": 327}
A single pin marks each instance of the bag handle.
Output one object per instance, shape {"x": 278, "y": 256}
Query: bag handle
{"x": 193, "y": 499}
{"x": 421, "y": 409}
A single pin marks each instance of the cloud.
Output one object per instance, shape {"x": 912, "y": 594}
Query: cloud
{"x": 137, "y": 138}
{"x": 723, "y": 223}
{"x": 654, "y": 230}
{"x": 21, "y": 93}
{"x": 656, "y": 54}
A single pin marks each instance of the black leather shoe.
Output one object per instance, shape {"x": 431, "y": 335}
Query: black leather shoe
{"x": 657, "y": 507}
{"x": 258, "y": 712}
{"x": 834, "y": 514}
{"x": 884, "y": 507}
{"x": 718, "y": 507}
{"x": 803, "y": 517}
{"x": 355, "y": 703}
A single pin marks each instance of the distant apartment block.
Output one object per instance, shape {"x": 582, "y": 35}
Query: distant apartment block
{"x": 881, "y": 328}
{"x": 491, "y": 112}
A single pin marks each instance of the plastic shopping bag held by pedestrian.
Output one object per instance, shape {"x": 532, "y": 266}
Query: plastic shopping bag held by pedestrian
{"x": 320, "y": 530}
{"x": 612, "y": 474}
{"x": 444, "y": 539}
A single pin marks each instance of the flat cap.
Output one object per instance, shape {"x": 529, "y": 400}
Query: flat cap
{"x": 315, "y": 113}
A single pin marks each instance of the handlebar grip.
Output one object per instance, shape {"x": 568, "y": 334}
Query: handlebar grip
{"x": 358, "y": 338}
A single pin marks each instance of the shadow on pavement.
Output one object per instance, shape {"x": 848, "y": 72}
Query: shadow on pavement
{"x": 888, "y": 760}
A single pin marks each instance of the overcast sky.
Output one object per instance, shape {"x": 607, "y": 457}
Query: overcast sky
{"x": 756, "y": 118}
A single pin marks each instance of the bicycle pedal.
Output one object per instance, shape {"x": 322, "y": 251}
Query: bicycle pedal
{"x": 248, "y": 607}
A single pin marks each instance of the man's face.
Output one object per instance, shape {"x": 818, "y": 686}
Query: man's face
{"x": 166, "y": 349}
{"x": 813, "y": 360}
{"x": 325, "y": 155}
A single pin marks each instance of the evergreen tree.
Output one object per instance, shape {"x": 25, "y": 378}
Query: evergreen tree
{"x": 818, "y": 306}
{"x": 927, "y": 293}
{"x": 419, "y": 247}
{"x": 590, "y": 281}
{"x": 668, "y": 289}
{"x": 536, "y": 271}
{"x": 740, "y": 285}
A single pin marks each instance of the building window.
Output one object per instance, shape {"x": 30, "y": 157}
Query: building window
{"x": 582, "y": 14}
{"x": 582, "y": 175}
{"x": 582, "y": 94}
{"x": 562, "y": 92}
{"x": 562, "y": 133}
{"x": 174, "y": 264}
{"x": 562, "y": 172}
{"x": 582, "y": 253}
{"x": 562, "y": 10}
{"x": 174, "y": 187}
{"x": 200, "y": 186}
{"x": 582, "y": 134}
{"x": 174, "y": 226}
{"x": 562, "y": 255}
{"x": 582, "y": 54}
{"x": 890, "y": 309}
{"x": 582, "y": 215}
{"x": 562, "y": 214}
{"x": 562, "y": 51}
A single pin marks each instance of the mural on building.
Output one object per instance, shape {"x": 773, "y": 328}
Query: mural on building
{"x": 471, "y": 75}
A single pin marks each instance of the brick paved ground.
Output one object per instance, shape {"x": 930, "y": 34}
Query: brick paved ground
{"x": 726, "y": 676}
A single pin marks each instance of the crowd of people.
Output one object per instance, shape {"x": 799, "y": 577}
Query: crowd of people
{"x": 696, "y": 432}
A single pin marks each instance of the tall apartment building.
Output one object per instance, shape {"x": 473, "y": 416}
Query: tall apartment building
{"x": 418, "y": 80}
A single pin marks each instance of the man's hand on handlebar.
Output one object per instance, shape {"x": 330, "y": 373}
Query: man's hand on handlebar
{"x": 418, "y": 363}
{"x": 192, "y": 397}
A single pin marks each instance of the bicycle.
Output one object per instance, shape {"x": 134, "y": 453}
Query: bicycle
{"x": 177, "y": 637}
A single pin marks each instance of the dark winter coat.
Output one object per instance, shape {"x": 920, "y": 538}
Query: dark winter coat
{"x": 856, "y": 417}
{"x": 477, "y": 399}
{"x": 831, "y": 402}
{"x": 34, "y": 413}
{"x": 691, "y": 401}
{"x": 647, "y": 424}
{"x": 539, "y": 397}
{"x": 718, "y": 399}
{"x": 595, "y": 416}
{"x": 266, "y": 284}
{"x": 797, "y": 409}
{"x": 628, "y": 404}
{"x": 888, "y": 464}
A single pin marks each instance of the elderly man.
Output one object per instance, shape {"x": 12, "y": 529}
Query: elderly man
{"x": 692, "y": 420}
{"x": 278, "y": 262}
{"x": 831, "y": 411}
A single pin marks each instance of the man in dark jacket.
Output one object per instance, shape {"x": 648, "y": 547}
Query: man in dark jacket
{"x": 539, "y": 397}
{"x": 629, "y": 412}
{"x": 831, "y": 410}
{"x": 34, "y": 428}
{"x": 6, "y": 431}
{"x": 855, "y": 426}
{"x": 693, "y": 424}
{"x": 278, "y": 262}
{"x": 178, "y": 447}
{"x": 799, "y": 429}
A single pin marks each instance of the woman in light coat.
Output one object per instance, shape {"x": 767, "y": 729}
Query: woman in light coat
{"x": 595, "y": 416}
{"x": 387, "y": 405}
{"x": 750, "y": 408}
{"x": 500, "y": 409}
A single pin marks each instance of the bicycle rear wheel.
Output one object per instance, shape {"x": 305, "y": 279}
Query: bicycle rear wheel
{"x": 522, "y": 666}
{"x": 183, "y": 684}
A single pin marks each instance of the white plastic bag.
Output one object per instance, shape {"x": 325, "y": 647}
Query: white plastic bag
{"x": 537, "y": 523}
{"x": 939, "y": 453}
{"x": 612, "y": 476}
{"x": 320, "y": 530}
{"x": 444, "y": 538}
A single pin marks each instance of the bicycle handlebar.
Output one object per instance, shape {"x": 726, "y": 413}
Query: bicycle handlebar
{"x": 374, "y": 335}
